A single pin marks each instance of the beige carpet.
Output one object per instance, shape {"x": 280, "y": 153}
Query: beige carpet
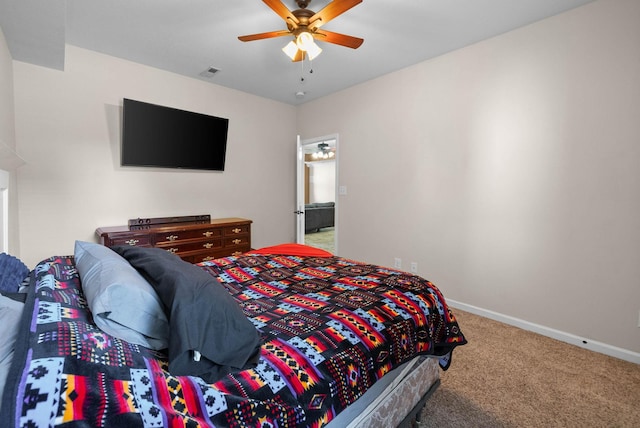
{"x": 508, "y": 377}
{"x": 323, "y": 239}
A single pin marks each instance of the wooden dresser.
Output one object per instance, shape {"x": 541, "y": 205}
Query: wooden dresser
{"x": 193, "y": 242}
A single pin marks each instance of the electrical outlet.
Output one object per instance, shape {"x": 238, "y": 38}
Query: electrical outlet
{"x": 397, "y": 263}
{"x": 414, "y": 267}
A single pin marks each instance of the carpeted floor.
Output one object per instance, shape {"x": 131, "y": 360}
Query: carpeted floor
{"x": 508, "y": 377}
{"x": 323, "y": 239}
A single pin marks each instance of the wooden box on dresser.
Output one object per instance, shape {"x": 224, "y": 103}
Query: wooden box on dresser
{"x": 193, "y": 242}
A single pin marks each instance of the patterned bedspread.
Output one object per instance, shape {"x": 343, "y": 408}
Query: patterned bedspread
{"x": 330, "y": 329}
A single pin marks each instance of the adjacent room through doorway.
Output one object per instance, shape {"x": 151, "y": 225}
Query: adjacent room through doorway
{"x": 320, "y": 157}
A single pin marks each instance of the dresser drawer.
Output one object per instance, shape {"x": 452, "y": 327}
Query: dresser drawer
{"x": 203, "y": 257}
{"x": 236, "y": 241}
{"x": 242, "y": 229}
{"x": 181, "y": 246}
{"x": 181, "y": 235}
{"x": 129, "y": 239}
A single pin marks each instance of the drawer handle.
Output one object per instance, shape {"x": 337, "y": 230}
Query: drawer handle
{"x": 237, "y": 241}
{"x": 208, "y": 234}
{"x": 172, "y": 237}
{"x": 132, "y": 241}
{"x": 237, "y": 253}
{"x": 206, "y": 259}
{"x": 236, "y": 230}
{"x": 172, "y": 250}
{"x": 207, "y": 245}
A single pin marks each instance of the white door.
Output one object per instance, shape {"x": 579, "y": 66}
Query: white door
{"x": 299, "y": 192}
{"x": 304, "y": 150}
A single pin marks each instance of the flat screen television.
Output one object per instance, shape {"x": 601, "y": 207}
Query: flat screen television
{"x": 165, "y": 137}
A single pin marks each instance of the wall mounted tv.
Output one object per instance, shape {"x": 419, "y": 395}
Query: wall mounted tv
{"x": 165, "y": 137}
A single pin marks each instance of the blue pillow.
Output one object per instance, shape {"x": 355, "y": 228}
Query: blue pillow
{"x": 122, "y": 302}
{"x": 12, "y": 273}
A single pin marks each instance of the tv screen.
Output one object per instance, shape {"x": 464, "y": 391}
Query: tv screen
{"x": 165, "y": 137}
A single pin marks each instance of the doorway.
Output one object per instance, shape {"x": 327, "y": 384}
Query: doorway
{"x": 317, "y": 201}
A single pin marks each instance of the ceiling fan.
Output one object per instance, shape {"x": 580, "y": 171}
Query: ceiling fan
{"x": 304, "y": 25}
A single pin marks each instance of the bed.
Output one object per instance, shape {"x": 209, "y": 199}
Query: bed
{"x": 320, "y": 341}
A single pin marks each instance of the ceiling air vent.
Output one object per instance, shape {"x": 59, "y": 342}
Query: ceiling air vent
{"x": 209, "y": 72}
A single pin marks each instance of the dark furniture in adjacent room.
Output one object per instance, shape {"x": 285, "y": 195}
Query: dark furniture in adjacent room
{"x": 318, "y": 215}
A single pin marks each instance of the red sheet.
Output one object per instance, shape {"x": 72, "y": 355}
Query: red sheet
{"x": 293, "y": 250}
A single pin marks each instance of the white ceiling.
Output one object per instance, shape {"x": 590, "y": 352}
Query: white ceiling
{"x": 189, "y": 36}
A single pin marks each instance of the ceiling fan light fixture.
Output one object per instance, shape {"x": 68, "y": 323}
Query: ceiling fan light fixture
{"x": 291, "y": 50}
{"x": 313, "y": 51}
{"x": 304, "y": 40}
{"x": 303, "y": 24}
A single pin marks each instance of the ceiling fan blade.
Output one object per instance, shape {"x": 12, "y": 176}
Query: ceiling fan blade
{"x": 330, "y": 11}
{"x": 278, "y": 7}
{"x": 338, "y": 39}
{"x": 267, "y": 35}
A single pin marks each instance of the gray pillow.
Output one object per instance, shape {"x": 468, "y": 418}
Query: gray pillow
{"x": 123, "y": 303}
{"x": 10, "y": 313}
{"x": 204, "y": 317}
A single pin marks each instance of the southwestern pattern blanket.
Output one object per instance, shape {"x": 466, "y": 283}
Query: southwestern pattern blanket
{"x": 330, "y": 328}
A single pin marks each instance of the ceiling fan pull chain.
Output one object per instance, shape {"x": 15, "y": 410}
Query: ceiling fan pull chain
{"x": 302, "y": 71}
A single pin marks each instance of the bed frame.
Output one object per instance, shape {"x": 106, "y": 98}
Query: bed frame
{"x": 398, "y": 401}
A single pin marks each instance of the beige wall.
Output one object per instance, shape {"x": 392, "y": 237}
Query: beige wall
{"x": 508, "y": 170}
{"x": 7, "y": 131}
{"x": 322, "y": 177}
{"x": 68, "y": 132}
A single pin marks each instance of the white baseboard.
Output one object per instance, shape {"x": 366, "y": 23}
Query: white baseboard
{"x": 592, "y": 345}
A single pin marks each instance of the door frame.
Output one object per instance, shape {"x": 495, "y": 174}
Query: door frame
{"x": 300, "y": 182}
{"x": 4, "y": 211}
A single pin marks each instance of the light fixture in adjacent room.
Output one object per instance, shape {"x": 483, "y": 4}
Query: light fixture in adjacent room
{"x": 324, "y": 152}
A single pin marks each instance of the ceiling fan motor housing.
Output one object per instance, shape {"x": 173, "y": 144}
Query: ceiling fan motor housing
{"x": 303, "y": 16}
